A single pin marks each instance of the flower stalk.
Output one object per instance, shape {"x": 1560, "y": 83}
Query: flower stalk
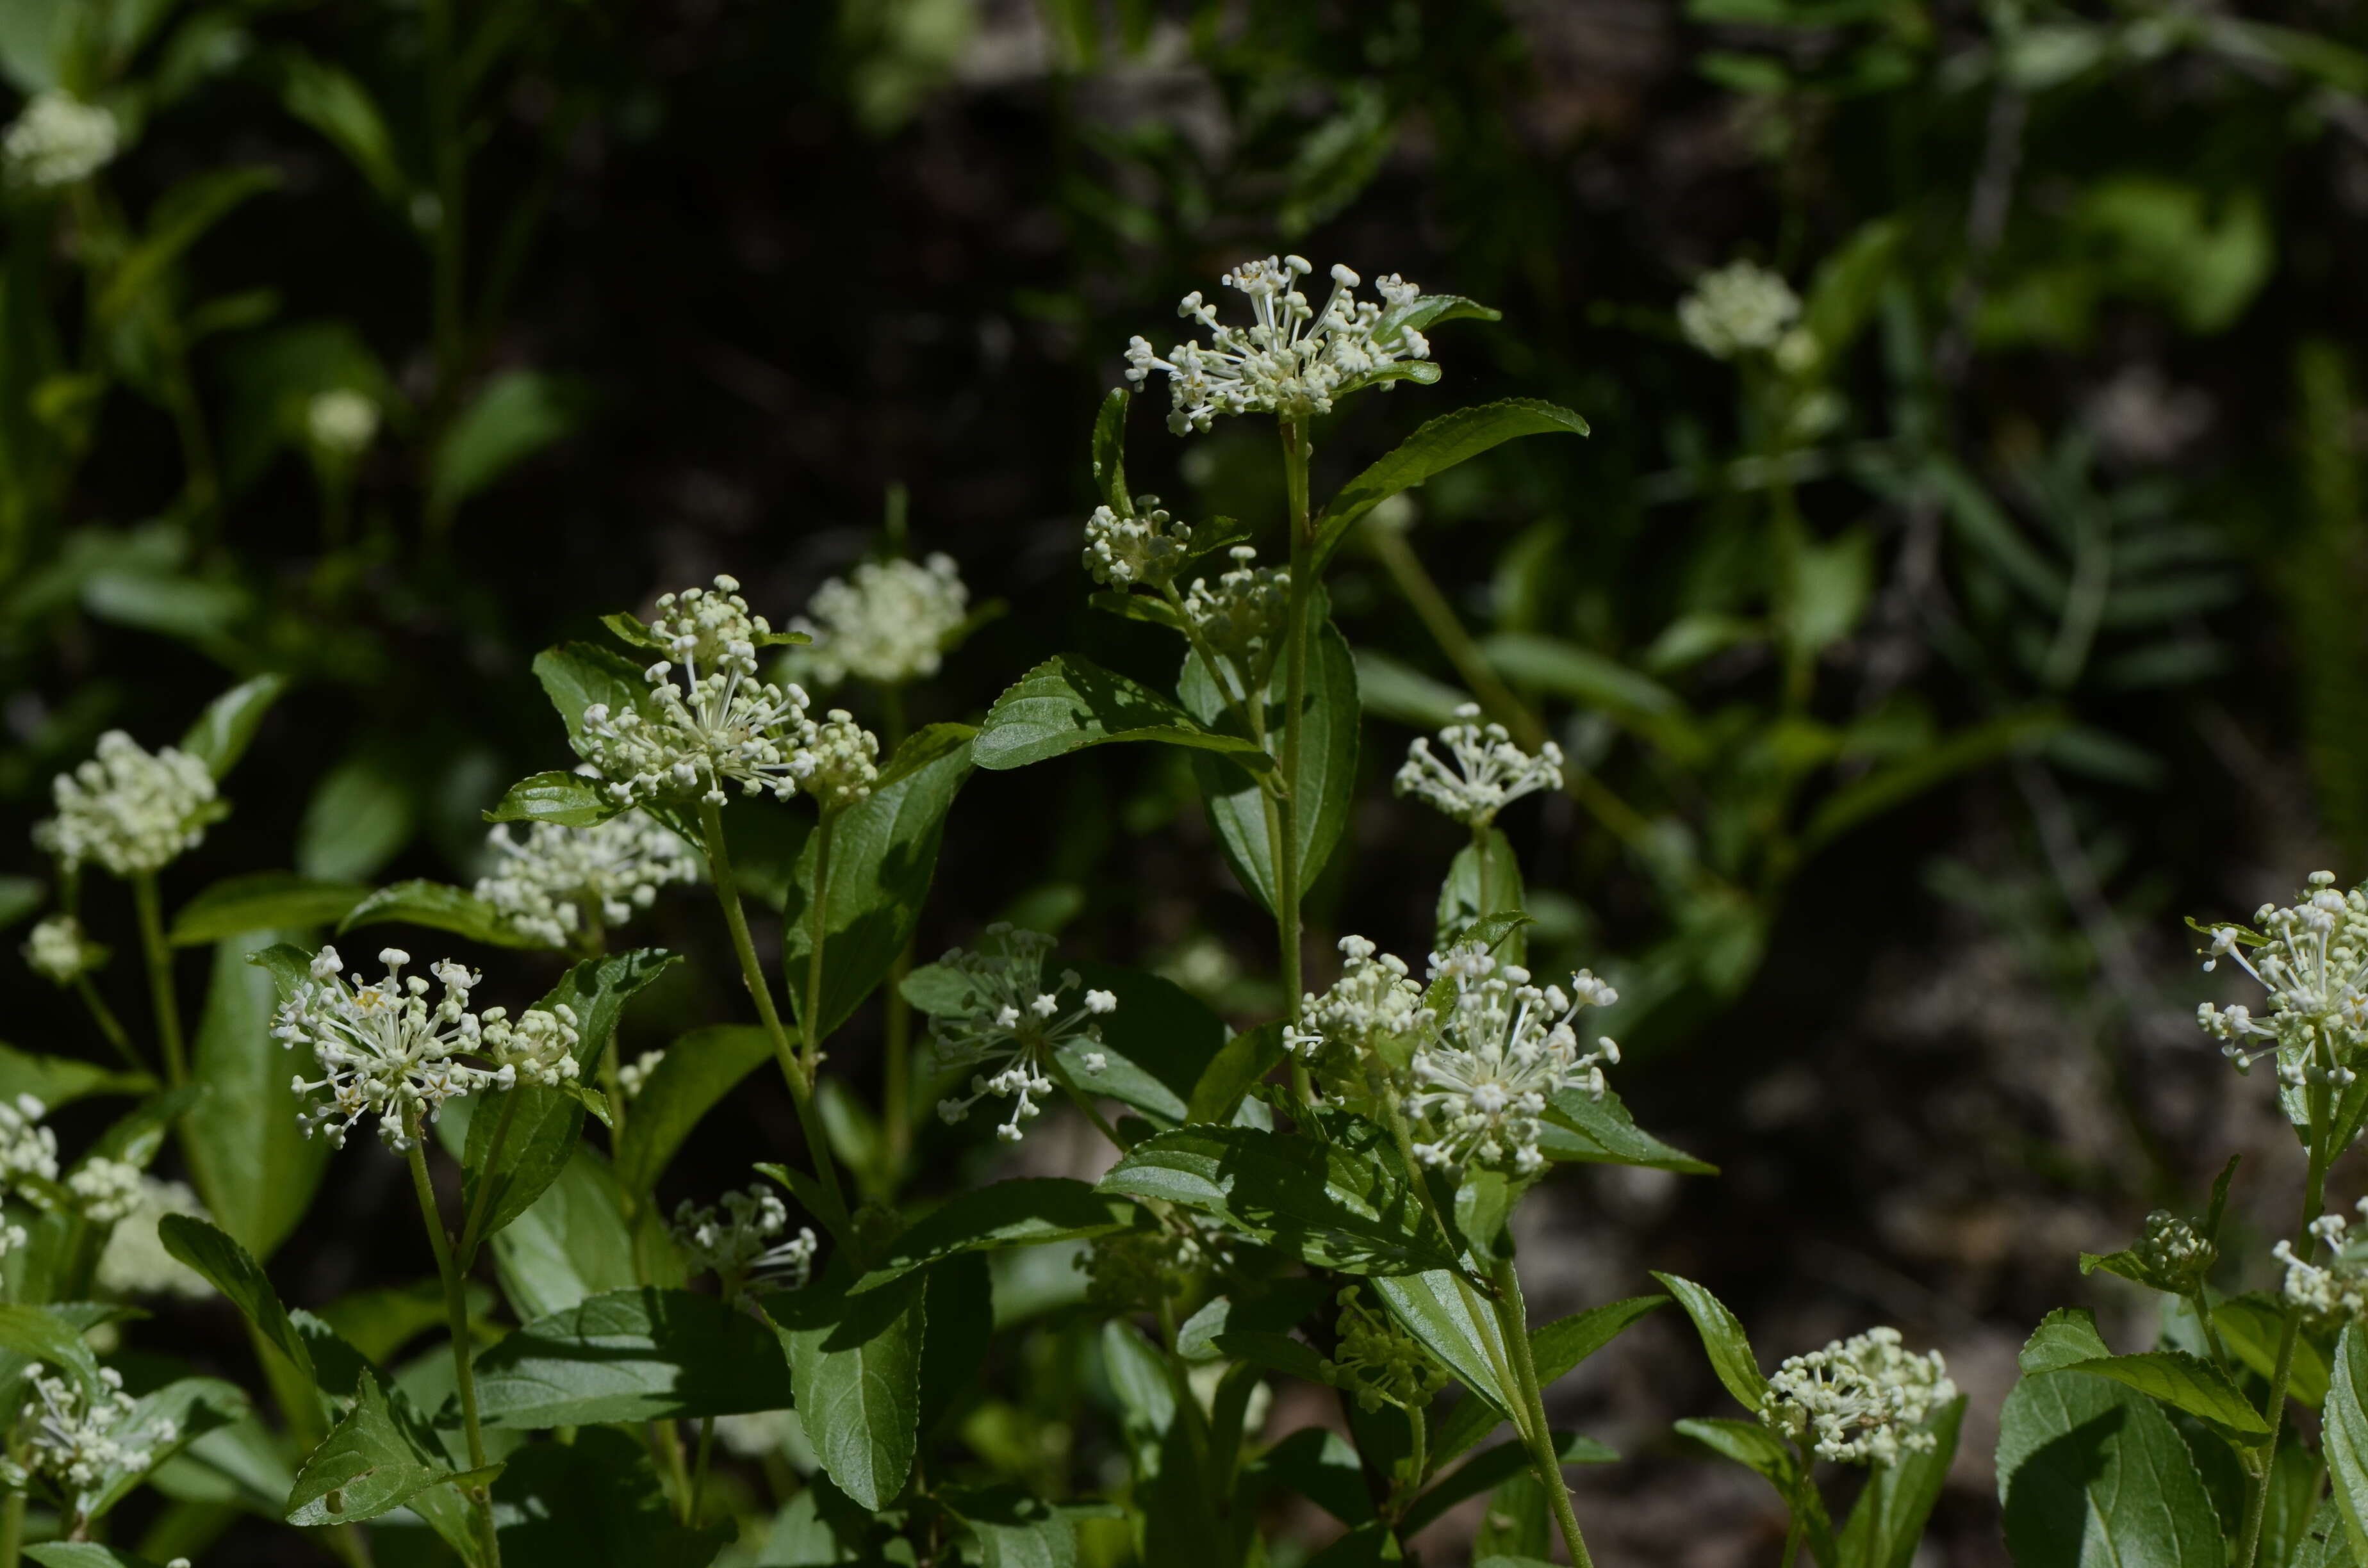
{"x": 456, "y": 1317}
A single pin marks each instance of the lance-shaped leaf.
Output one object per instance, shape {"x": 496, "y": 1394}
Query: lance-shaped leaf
{"x": 698, "y": 1069}
{"x": 1439, "y": 445}
{"x": 1723, "y": 1338}
{"x": 1155, "y": 1045}
{"x": 193, "y": 1407}
{"x": 371, "y": 1463}
{"x": 1554, "y": 1349}
{"x": 1886, "y": 1524}
{"x": 1580, "y": 1128}
{"x": 566, "y": 800}
{"x": 1110, "y": 451}
{"x": 227, "y": 727}
{"x": 229, "y": 1268}
{"x": 577, "y": 676}
{"x": 1450, "y": 1317}
{"x": 2344, "y": 1438}
{"x": 1485, "y": 1472}
{"x": 2253, "y": 1324}
{"x": 263, "y": 900}
{"x": 632, "y": 1356}
{"x": 1332, "y": 1207}
{"x": 1234, "y": 1072}
{"x": 438, "y": 906}
{"x": 244, "y": 1133}
{"x": 2090, "y": 1472}
{"x": 2183, "y": 1381}
{"x": 62, "y": 1079}
{"x": 1028, "y": 1211}
{"x": 1069, "y": 702}
{"x": 856, "y": 1363}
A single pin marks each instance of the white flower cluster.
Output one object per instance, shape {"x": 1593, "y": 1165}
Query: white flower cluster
{"x": 81, "y": 1443}
{"x": 845, "y": 762}
{"x": 134, "y": 1262}
{"x": 889, "y": 626}
{"x": 106, "y": 1190}
{"x": 2315, "y": 966}
{"x": 341, "y": 423}
{"x": 57, "y": 140}
{"x": 739, "y": 1246}
{"x": 1292, "y": 358}
{"x": 26, "y": 1148}
{"x": 1503, "y": 1051}
{"x": 57, "y": 951}
{"x": 720, "y": 724}
{"x": 1373, "y": 1000}
{"x": 1242, "y": 618}
{"x": 556, "y": 880}
{"x": 132, "y": 811}
{"x": 1740, "y": 309}
{"x": 1491, "y": 771}
{"x": 1146, "y": 548}
{"x": 1860, "y": 1399}
{"x": 2338, "y": 1292}
{"x": 633, "y": 1077}
{"x": 384, "y": 1049}
{"x": 2174, "y": 1251}
{"x": 1010, "y": 1024}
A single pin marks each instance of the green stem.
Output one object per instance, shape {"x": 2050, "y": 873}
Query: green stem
{"x": 12, "y": 1529}
{"x": 1083, "y": 1102}
{"x": 896, "y": 1022}
{"x": 1793, "y": 1534}
{"x": 455, "y": 1318}
{"x": 1295, "y": 451}
{"x": 160, "y": 979}
{"x": 108, "y": 1024}
{"x": 1512, "y": 1318}
{"x": 2314, "y": 1199}
{"x": 699, "y": 1471}
{"x": 752, "y": 975}
{"x": 817, "y": 929}
{"x": 1480, "y": 873}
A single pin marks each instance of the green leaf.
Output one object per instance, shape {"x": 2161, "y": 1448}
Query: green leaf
{"x": 1234, "y": 1072}
{"x": 2063, "y": 1336}
{"x": 2251, "y": 1325}
{"x": 361, "y": 814}
{"x": 1330, "y": 1207}
{"x": 1321, "y": 1466}
{"x": 19, "y": 896}
{"x": 50, "y": 1335}
{"x": 955, "y": 1332}
{"x": 1884, "y": 1528}
{"x": 178, "y": 219}
{"x": 438, "y": 906}
{"x": 1014, "y": 1530}
{"x": 2183, "y": 1381}
{"x": 332, "y": 102}
{"x": 1069, "y": 702}
{"x": 632, "y": 1356}
{"x": 224, "y": 731}
{"x": 1600, "y": 1132}
{"x": 61, "y": 1079}
{"x": 2343, "y": 1437}
{"x": 1155, "y": 1045}
{"x": 1110, "y": 451}
{"x": 1326, "y": 785}
{"x": 1723, "y": 1339}
{"x": 1274, "y": 1310}
{"x": 262, "y": 900}
{"x": 85, "y": 1555}
{"x": 1967, "y": 749}
{"x": 578, "y": 676}
{"x": 698, "y": 1069}
{"x": 1848, "y": 286}
{"x": 1749, "y": 1444}
{"x": 1451, "y": 1319}
{"x": 884, "y": 851}
{"x": 1595, "y": 681}
{"x": 230, "y": 1268}
{"x": 194, "y": 1406}
{"x": 2091, "y": 1473}
{"x": 594, "y": 1502}
{"x": 1437, "y": 446}
{"x": 568, "y": 799}
{"x": 1485, "y": 1472}
{"x": 367, "y": 1465}
{"x": 515, "y": 415}
{"x": 1554, "y": 1349}
{"x": 574, "y": 1242}
{"x": 1461, "y": 898}
{"x": 856, "y": 1363}
{"x": 2325, "y": 1541}
{"x": 1027, "y": 1212}
{"x": 243, "y": 1136}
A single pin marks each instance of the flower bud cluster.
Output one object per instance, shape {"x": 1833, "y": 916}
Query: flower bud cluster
{"x": 2338, "y": 1292}
{"x": 1375, "y": 1002}
{"x": 26, "y": 1148}
{"x": 80, "y": 1443}
{"x": 57, "y": 140}
{"x": 1740, "y": 309}
{"x": 1491, "y": 771}
{"x": 556, "y": 881}
{"x": 720, "y": 725}
{"x": 1144, "y": 550}
{"x": 341, "y": 423}
{"x": 845, "y": 762}
{"x": 2175, "y": 1252}
{"x": 57, "y": 951}
{"x": 1010, "y": 1024}
{"x": 106, "y": 1190}
{"x": 1379, "y": 1362}
{"x": 133, "y": 812}
{"x": 633, "y": 1077}
{"x": 737, "y": 1247}
{"x": 1504, "y": 1049}
{"x": 1860, "y": 1400}
{"x": 2312, "y": 958}
{"x": 889, "y": 626}
{"x": 1131, "y": 1271}
{"x": 539, "y": 1049}
{"x": 1242, "y": 618}
{"x": 1292, "y": 358}
{"x": 134, "y": 1262}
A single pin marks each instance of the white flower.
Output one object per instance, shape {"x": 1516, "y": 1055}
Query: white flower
{"x": 1292, "y": 358}
{"x": 633, "y": 1077}
{"x": 26, "y": 1148}
{"x": 82, "y": 1444}
{"x": 134, "y": 1262}
{"x": 739, "y": 1246}
{"x": 721, "y": 724}
{"x": 556, "y": 881}
{"x": 106, "y": 1190}
{"x": 1010, "y": 1024}
{"x": 2313, "y": 965}
{"x": 57, "y": 951}
{"x": 845, "y": 762}
{"x": 1491, "y": 771}
{"x": 132, "y": 811}
{"x": 341, "y": 423}
{"x": 1374, "y": 1000}
{"x": 1144, "y": 548}
{"x": 384, "y": 1049}
{"x": 1503, "y": 1051}
{"x": 58, "y": 140}
{"x": 888, "y": 626}
{"x": 1242, "y": 618}
{"x": 754, "y": 1436}
{"x": 1859, "y": 1398}
{"x": 1739, "y": 309}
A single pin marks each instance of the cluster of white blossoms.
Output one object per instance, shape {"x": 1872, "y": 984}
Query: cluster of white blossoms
{"x": 57, "y": 140}
{"x": 132, "y": 811}
{"x": 2313, "y": 963}
{"x": 1740, "y": 309}
{"x": 1375, "y": 999}
{"x": 26, "y": 1148}
{"x": 738, "y": 1247}
{"x": 633, "y": 1077}
{"x": 889, "y": 626}
{"x": 1858, "y": 1399}
{"x": 134, "y": 1262}
{"x": 80, "y": 1443}
{"x": 845, "y": 762}
{"x": 1491, "y": 771}
{"x": 555, "y": 880}
{"x": 720, "y": 724}
{"x": 385, "y": 1048}
{"x": 104, "y": 1190}
{"x": 1010, "y": 1024}
{"x": 2337, "y": 1293}
{"x": 1145, "y": 549}
{"x": 1501, "y": 1054}
{"x": 1242, "y": 618}
{"x": 58, "y": 951}
{"x": 2174, "y": 1251}
{"x": 341, "y": 423}
{"x": 1292, "y": 358}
